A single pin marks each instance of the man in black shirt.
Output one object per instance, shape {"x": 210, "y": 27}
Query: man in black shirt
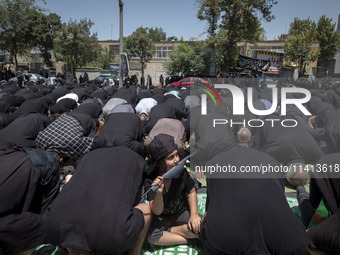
{"x": 21, "y": 82}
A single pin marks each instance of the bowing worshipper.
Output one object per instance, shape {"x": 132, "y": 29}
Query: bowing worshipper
{"x": 158, "y": 112}
{"x": 71, "y": 135}
{"x": 100, "y": 93}
{"x": 333, "y": 95}
{"x": 111, "y": 104}
{"x": 320, "y": 209}
{"x": 5, "y": 120}
{"x": 171, "y": 127}
{"x": 179, "y": 107}
{"x": 64, "y": 105}
{"x": 158, "y": 95}
{"x": 23, "y": 130}
{"x": 128, "y": 94}
{"x": 122, "y": 128}
{"x": 38, "y": 105}
{"x": 110, "y": 220}
{"x": 29, "y": 183}
{"x": 70, "y": 95}
{"x": 288, "y": 144}
{"x": 5, "y": 115}
{"x": 143, "y": 93}
{"x": 144, "y": 107}
{"x": 327, "y": 117}
{"x": 82, "y": 93}
{"x": 110, "y": 90}
{"x": 13, "y": 101}
{"x": 191, "y": 101}
{"x": 248, "y": 215}
{"x": 4, "y": 108}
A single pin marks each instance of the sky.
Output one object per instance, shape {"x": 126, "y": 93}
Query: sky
{"x": 178, "y": 17}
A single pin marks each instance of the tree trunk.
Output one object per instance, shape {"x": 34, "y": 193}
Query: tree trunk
{"x": 72, "y": 68}
{"x": 142, "y": 69}
{"x": 16, "y": 62}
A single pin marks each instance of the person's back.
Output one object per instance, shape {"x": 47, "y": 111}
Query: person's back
{"x": 29, "y": 183}
{"x": 23, "y": 131}
{"x": 158, "y": 112}
{"x": 289, "y": 144}
{"x": 121, "y": 129}
{"x": 95, "y": 210}
{"x": 249, "y": 216}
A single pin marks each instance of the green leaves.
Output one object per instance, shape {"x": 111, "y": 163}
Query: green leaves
{"x": 303, "y": 33}
{"x": 16, "y": 30}
{"x": 75, "y": 45}
{"x": 231, "y": 21}
{"x": 140, "y": 44}
{"x": 188, "y": 60}
{"x": 328, "y": 38}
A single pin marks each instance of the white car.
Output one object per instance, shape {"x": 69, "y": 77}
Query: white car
{"x": 29, "y": 76}
{"x": 269, "y": 82}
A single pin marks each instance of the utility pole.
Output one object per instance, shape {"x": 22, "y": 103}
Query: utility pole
{"x": 121, "y": 4}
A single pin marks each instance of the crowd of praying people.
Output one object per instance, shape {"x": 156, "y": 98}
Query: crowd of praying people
{"x": 76, "y": 161}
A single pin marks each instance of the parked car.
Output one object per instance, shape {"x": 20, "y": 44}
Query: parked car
{"x": 29, "y": 77}
{"x": 269, "y": 83}
{"x": 101, "y": 78}
{"x": 189, "y": 81}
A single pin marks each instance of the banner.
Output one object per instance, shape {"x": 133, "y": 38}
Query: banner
{"x": 124, "y": 64}
{"x": 275, "y": 59}
{"x": 252, "y": 63}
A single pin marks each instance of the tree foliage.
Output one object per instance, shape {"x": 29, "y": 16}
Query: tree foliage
{"x": 44, "y": 31}
{"x": 328, "y": 38}
{"x": 140, "y": 44}
{"x": 75, "y": 45}
{"x": 103, "y": 60}
{"x": 299, "y": 46}
{"x": 16, "y": 26}
{"x": 188, "y": 60}
{"x": 157, "y": 34}
{"x": 231, "y": 21}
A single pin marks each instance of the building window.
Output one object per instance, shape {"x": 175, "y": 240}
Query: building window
{"x": 163, "y": 51}
{"x": 115, "y": 49}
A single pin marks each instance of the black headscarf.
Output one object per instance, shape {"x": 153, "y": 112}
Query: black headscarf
{"x": 4, "y": 108}
{"x": 64, "y": 105}
{"x": 39, "y": 105}
{"x": 73, "y": 222}
{"x": 13, "y": 100}
{"x": 92, "y": 109}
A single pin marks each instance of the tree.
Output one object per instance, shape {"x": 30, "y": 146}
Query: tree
{"x": 237, "y": 20}
{"x": 105, "y": 57}
{"x": 299, "y": 46}
{"x": 15, "y": 26}
{"x": 157, "y": 34}
{"x": 75, "y": 45}
{"x": 328, "y": 38}
{"x": 211, "y": 12}
{"x": 45, "y": 28}
{"x": 188, "y": 60}
{"x": 139, "y": 44}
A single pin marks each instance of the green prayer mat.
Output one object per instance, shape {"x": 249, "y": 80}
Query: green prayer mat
{"x": 321, "y": 213}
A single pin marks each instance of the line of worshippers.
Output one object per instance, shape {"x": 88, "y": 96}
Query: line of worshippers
{"x": 48, "y": 133}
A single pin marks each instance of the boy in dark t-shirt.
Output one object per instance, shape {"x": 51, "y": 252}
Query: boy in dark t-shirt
{"x": 174, "y": 203}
